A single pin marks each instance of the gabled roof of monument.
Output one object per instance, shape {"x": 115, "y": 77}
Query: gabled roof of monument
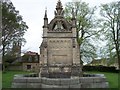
{"x": 59, "y": 23}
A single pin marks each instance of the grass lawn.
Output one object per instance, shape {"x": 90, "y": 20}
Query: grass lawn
{"x": 112, "y": 78}
{"x": 0, "y": 80}
{"x": 7, "y": 78}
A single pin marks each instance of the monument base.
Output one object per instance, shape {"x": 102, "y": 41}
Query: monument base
{"x": 33, "y": 81}
{"x": 61, "y": 71}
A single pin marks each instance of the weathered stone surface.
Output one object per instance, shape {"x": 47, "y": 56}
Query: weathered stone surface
{"x": 75, "y": 86}
{"x": 49, "y": 81}
{"x": 65, "y": 81}
{"x": 95, "y": 85}
{"x": 65, "y": 86}
{"x": 19, "y": 85}
{"x": 80, "y": 82}
{"x": 69, "y": 34}
{"x": 99, "y": 79}
{"x": 85, "y": 85}
{"x": 86, "y": 79}
{"x": 33, "y": 80}
{"x": 33, "y": 85}
{"x": 92, "y": 79}
{"x": 46, "y": 86}
{"x": 20, "y": 80}
{"x": 74, "y": 81}
{"x": 43, "y": 80}
{"x": 104, "y": 85}
{"x": 99, "y": 85}
{"x": 59, "y": 45}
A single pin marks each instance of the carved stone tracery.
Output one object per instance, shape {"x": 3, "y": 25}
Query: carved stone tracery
{"x": 59, "y": 24}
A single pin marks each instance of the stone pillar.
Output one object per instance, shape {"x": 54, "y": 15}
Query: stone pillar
{"x": 44, "y": 59}
{"x": 74, "y": 52}
{"x": 45, "y": 56}
{"x": 74, "y": 43}
{"x": 74, "y": 32}
{"x": 45, "y": 32}
{"x": 76, "y": 69}
{"x": 76, "y": 49}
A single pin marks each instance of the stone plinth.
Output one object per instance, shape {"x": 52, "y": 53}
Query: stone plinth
{"x": 94, "y": 81}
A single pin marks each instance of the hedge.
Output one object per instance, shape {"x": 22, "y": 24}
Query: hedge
{"x": 100, "y": 68}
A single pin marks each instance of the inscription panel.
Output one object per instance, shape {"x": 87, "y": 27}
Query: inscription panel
{"x": 60, "y": 51}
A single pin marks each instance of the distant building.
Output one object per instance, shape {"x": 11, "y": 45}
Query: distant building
{"x": 16, "y": 49}
{"x": 30, "y": 61}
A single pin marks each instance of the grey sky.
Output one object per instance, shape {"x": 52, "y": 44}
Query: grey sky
{"x": 33, "y": 13}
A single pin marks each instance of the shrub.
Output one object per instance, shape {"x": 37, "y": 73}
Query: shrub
{"x": 100, "y": 68}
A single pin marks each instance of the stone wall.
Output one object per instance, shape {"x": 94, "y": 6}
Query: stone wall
{"x": 34, "y": 67}
{"x": 98, "y": 81}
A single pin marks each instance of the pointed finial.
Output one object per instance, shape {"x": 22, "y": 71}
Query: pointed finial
{"x": 45, "y": 19}
{"x": 59, "y": 5}
{"x": 59, "y": 8}
{"x": 73, "y": 18}
{"x": 45, "y": 12}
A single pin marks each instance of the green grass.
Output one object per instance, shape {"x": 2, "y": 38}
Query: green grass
{"x": 7, "y": 77}
{"x": 112, "y": 78}
{"x": 0, "y": 79}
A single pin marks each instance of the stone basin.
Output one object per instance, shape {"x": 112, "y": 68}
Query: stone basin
{"x": 34, "y": 81}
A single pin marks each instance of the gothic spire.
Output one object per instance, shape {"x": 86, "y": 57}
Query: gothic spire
{"x": 45, "y": 19}
{"x": 59, "y": 5}
{"x": 45, "y": 16}
{"x": 73, "y": 18}
{"x": 59, "y": 8}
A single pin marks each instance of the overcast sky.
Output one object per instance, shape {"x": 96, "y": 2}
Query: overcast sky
{"x": 33, "y": 14}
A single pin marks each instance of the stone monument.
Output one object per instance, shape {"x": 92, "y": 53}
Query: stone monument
{"x": 59, "y": 59}
{"x": 59, "y": 51}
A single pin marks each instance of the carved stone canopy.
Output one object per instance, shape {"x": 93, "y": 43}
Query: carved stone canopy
{"x": 59, "y": 10}
{"x": 59, "y": 24}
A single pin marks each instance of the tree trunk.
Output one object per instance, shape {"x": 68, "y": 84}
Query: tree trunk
{"x": 3, "y": 58}
{"x": 118, "y": 57}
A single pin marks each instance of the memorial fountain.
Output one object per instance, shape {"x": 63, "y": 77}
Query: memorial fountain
{"x": 60, "y": 58}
